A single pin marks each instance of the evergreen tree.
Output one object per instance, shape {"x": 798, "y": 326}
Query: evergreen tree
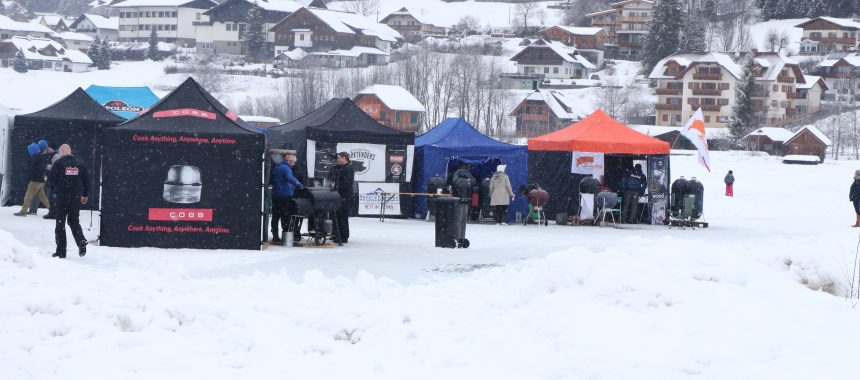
{"x": 743, "y": 114}
{"x": 816, "y": 8}
{"x": 692, "y": 34}
{"x": 72, "y": 7}
{"x": 663, "y": 33}
{"x": 152, "y": 52}
{"x": 254, "y": 39}
{"x": 105, "y": 59}
{"x": 94, "y": 52}
{"x": 20, "y": 62}
{"x": 2, "y": 8}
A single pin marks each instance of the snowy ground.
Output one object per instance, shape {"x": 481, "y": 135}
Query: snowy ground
{"x": 734, "y": 301}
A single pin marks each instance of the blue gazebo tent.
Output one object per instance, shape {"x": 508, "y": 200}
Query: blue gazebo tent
{"x": 453, "y": 142}
{"x": 126, "y": 102}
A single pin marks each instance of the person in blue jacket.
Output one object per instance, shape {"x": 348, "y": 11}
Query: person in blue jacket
{"x": 284, "y": 185}
{"x": 633, "y": 187}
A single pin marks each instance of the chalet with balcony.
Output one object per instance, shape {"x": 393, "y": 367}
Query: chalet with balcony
{"x": 543, "y": 111}
{"x": 54, "y": 22}
{"x": 626, "y": 23}
{"x": 223, "y": 32}
{"x": 688, "y": 81}
{"x": 413, "y": 25}
{"x": 822, "y": 35}
{"x": 840, "y": 71}
{"x": 43, "y": 54}
{"x": 546, "y": 60}
{"x": 335, "y": 38}
{"x": 97, "y": 26}
{"x": 589, "y": 41}
{"x": 10, "y": 28}
{"x": 392, "y": 106}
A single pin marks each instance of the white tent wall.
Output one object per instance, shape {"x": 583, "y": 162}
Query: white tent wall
{"x": 7, "y": 118}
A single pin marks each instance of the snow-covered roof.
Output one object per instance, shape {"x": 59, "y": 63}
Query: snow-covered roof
{"x": 773, "y": 63}
{"x": 72, "y": 36}
{"x": 354, "y": 52}
{"x": 32, "y": 46}
{"x": 608, "y": 11}
{"x": 419, "y": 15}
{"x": 567, "y": 53}
{"x": 815, "y": 132}
{"x": 711, "y": 133}
{"x": 580, "y": 31}
{"x": 800, "y": 158}
{"x": 7, "y": 23}
{"x": 811, "y": 80}
{"x": 296, "y": 54}
{"x": 278, "y": 5}
{"x": 394, "y": 97}
{"x": 102, "y": 22}
{"x": 345, "y": 22}
{"x": 725, "y": 61}
{"x": 50, "y": 19}
{"x": 773, "y": 133}
{"x": 151, "y": 3}
{"x": 259, "y": 119}
{"x": 683, "y": 59}
{"x": 851, "y": 58}
{"x": 843, "y": 22}
{"x": 556, "y": 102}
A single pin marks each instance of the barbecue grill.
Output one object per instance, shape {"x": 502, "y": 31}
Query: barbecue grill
{"x": 319, "y": 206}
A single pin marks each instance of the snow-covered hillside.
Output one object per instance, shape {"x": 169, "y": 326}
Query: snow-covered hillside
{"x": 760, "y": 31}
{"x": 740, "y": 299}
{"x": 440, "y": 13}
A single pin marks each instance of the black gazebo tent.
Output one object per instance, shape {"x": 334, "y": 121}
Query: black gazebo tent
{"x": 382, "y": 156}
{"x": 187, "y": 173}
{"x": 77, "y": 120}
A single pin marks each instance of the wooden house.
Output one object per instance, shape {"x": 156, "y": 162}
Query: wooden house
{"x": 808, "y": 141}
{"x": 392, "y": 106}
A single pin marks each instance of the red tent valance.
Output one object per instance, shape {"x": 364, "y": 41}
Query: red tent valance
{"x": 599, "y": 133}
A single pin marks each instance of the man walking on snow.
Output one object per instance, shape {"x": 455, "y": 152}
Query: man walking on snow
{"x": 70, "y": 181}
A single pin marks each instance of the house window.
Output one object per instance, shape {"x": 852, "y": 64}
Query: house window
{"x": 707, "y": 118}
{"x": 722, "y": 119}
{"x": 382, "y": 115}
{"x": 397, "y": 117}
{"x": 546, "y": 70}
{"x": 413, "y": 118}
{"x": 665, "y": 117}
{"x": 161, "y": 14}
{"x": 555, "y": 70}
{"x": 301, "y": 37}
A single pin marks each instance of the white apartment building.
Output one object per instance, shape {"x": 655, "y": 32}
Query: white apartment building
{"x": 688, "y": 81}
{"x": 173, "y": 20}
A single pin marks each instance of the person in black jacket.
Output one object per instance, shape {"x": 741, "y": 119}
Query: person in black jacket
{"x": 343, "y": 177}
{"x": 71, "y": 185}
{"x": 36, "y": 172}
{"x": 854, "y": 196}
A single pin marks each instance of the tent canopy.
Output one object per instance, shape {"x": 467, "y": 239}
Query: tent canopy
{"x": 454, "y": 141}
{"x": 126, "y": 102}
{"x": 339, "y": 120}
{"x": 77, "y": 120}
{"x": 599, "y": 132}
{"x": 186, "y": 157}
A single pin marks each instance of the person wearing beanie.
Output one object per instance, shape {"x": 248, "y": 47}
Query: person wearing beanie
{"x": 36, "y": 175}
{"x": 501, "y": 194}
{"x": 730, "y": 184}
{"x": 854, "y": 197}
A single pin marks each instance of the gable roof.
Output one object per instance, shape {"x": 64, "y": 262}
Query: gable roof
{"x": 566, "y": 53}
{"x": 599, "y": 132}
{"x": 418, "y": 15}
{"x": 814, "y": 131}
{"x": 846, "y": 23}
{"x": 554, "y": 100}
{"x": 98, "y": 21}
{"x": 772, "y": 63}
{"x": 349, "y": 23}
{"x": 33, "y": 49}
{"x": 73, "y": 36}
{"x": 773, "y": 133}
{"x": 200, "y": 4}
{"x": 810, "y": 81}
{"x": 578, "y": 30}
{"x": 458, "y": 133}
{"x": 851, "y": 58}
{"x": 7, "y": 23}
{"x": 394, "y": 97}
{"x": 77, "y": 106}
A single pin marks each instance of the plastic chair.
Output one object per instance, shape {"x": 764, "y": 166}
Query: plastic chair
{"x": 607, "y": 209}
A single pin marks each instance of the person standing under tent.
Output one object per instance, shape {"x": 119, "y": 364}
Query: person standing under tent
{"x": 501, "y": 194}
{"x": 71, "y": 186}
{"x": 854, "y": 197}
{"x": 343, "y": 177}
{"x": 633, "y": 186}
{"x": 284, "y": 185}
{"x": 730, "y": 183}
{"x": 36, "y": 173}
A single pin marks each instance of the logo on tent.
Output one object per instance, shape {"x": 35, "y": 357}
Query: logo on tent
{"x": 361, "y": 159}
{"x": 121, "y": 106}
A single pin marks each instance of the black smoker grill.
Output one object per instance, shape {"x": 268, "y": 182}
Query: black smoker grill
{"x": 318, "y": 205}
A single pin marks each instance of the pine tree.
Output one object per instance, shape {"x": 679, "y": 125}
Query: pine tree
{"x": 105, "y": 56}
{"x": 2, "y": 8}
{"x": 743, "y": 113}
{"x": 817, "y": 8}
{"x": 20, "y": 62}
{"x": 692, "y": 34}
{"x": 94, "y": 52}
{"x": 152, "y": 52}
{"x": 255, "y": 37}
{"x": 663, "y": 33}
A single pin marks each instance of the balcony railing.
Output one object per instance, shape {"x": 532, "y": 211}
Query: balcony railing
{"x": 710, "y": 107}
{"x": 595, "y": 22}
{"x": 761, "y": 94}
{"x": 639, "y": 20}
{"x": 835, "y": 40}
{"x": 707, "y": 76}
{"x": 707, "y": 91}
{"x": 785, "y": 79}
{"x": 669, "y": 91}
{"x": 669, "y": 107}
{"x": 796, "y": 95}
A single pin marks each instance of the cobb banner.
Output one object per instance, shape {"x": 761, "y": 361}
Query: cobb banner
{"x": 588, "y": 163}
{"x": 370, "y": 200}
{"x": 658, "y": 187}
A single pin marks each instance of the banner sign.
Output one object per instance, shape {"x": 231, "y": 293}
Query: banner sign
{"x": 368, "y": 160}
{"x": 370, "y": 200}
{"x": 588, "y": 163}
{"x": 396, "y": 164}
{"x": 658, "y": 187}
{"x": 321, "y": 157}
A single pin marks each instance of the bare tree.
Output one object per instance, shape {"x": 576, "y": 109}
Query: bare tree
{"x": 525, "y": 12}
{"x": 466, "y": 25}
{"x": 362, "y": 7}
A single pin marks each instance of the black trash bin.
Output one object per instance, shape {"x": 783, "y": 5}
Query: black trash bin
{"x": 451, "y": 216}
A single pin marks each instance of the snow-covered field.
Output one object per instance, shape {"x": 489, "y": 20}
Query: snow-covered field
{"x": 739, "y": 300}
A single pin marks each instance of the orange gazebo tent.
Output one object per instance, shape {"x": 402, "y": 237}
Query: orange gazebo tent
{"x": 599, "y": 132}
